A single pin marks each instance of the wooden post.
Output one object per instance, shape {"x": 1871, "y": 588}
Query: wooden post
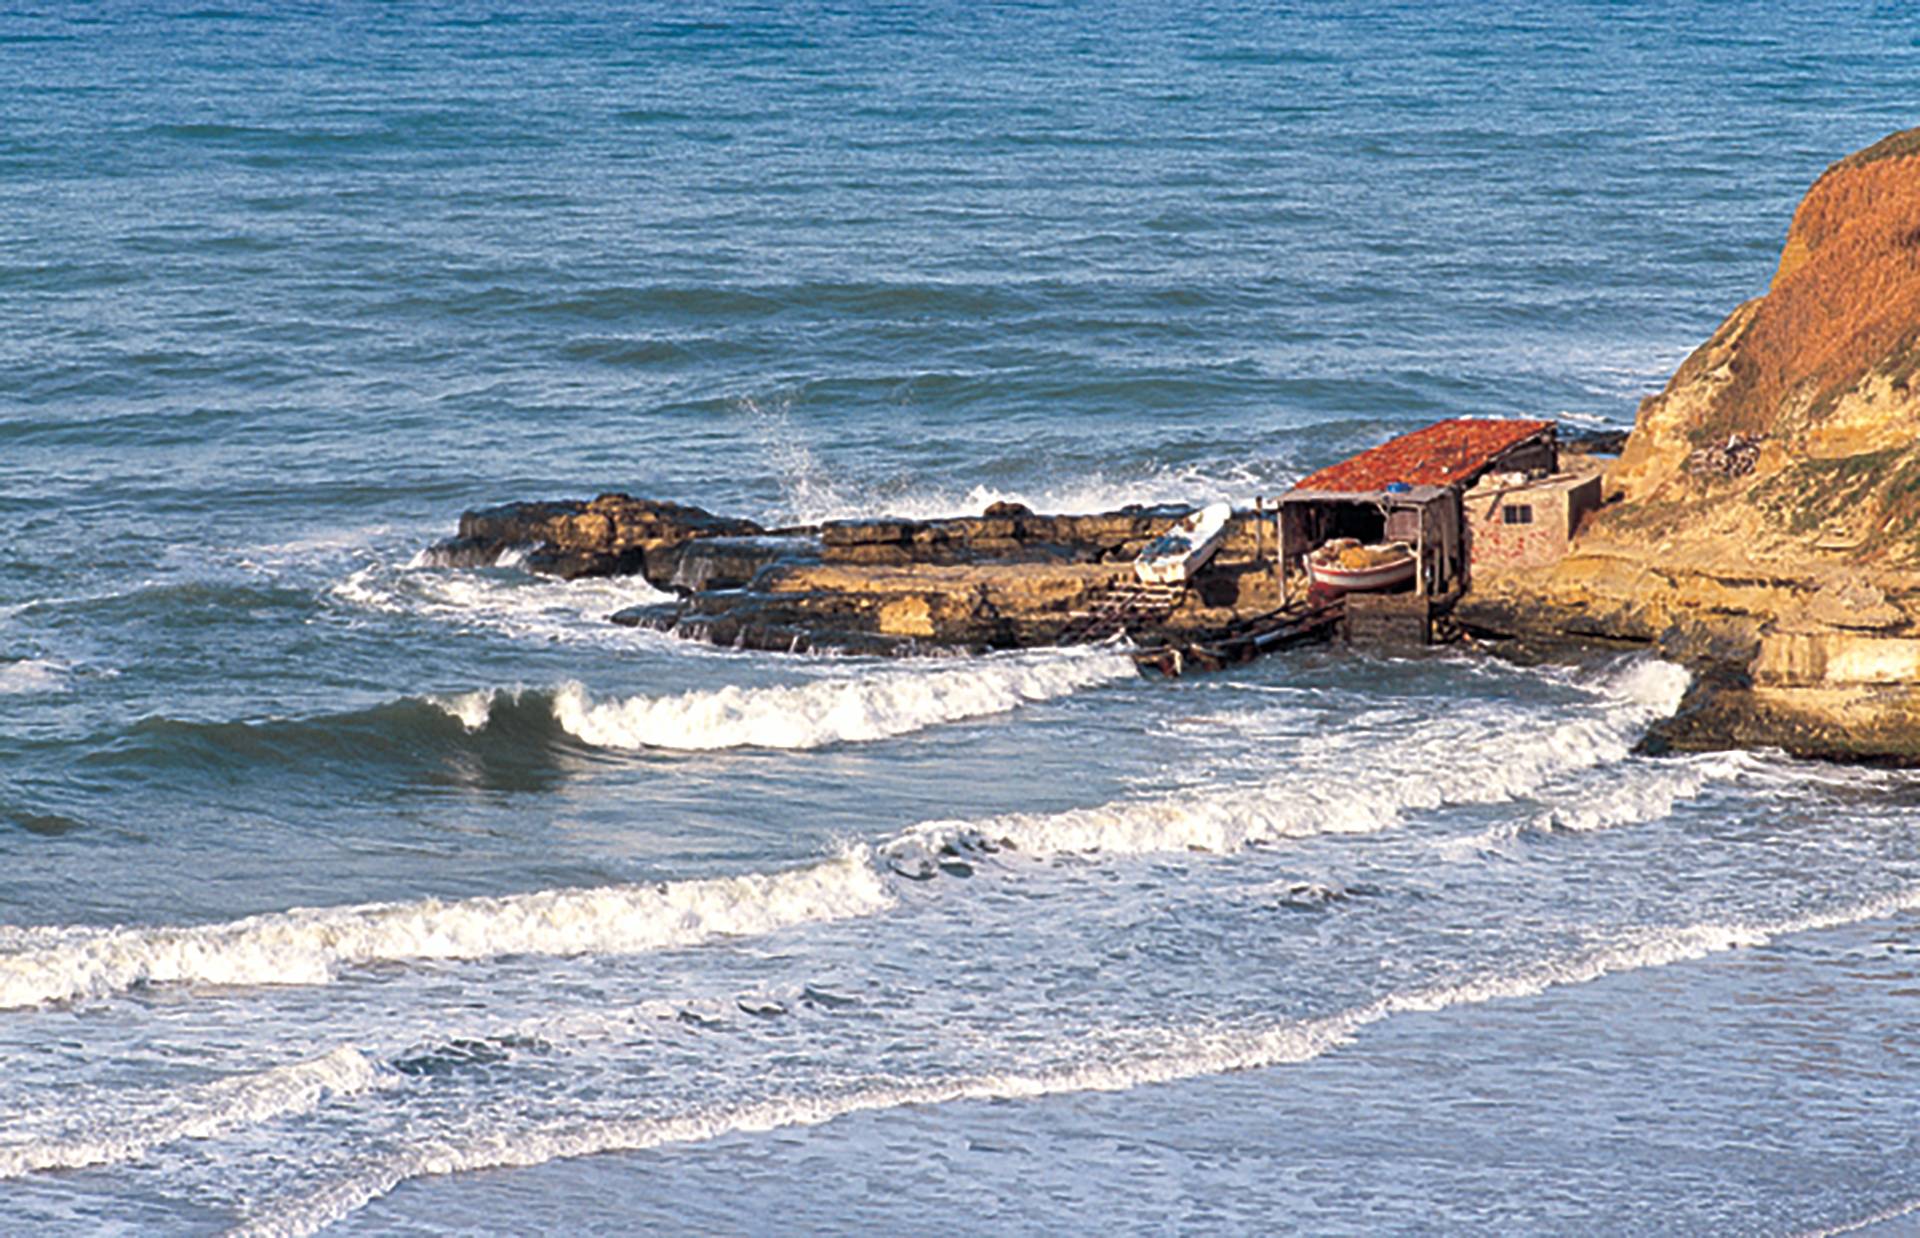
{"x": 1420, "y": 555}
{"x": 1280, "y": 554}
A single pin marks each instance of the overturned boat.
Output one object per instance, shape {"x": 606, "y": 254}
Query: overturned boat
{"x": 1174, "y": 556}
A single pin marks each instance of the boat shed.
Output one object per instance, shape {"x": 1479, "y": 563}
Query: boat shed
{"x": 1409, "y": 489}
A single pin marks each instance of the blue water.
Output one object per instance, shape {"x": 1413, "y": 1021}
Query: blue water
{"x": 341, "y": 889}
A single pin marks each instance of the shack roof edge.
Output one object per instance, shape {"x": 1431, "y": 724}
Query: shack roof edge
{"x": 1443, "y": 454}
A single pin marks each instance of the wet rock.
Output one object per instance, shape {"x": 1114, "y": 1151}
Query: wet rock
{"x": 1005, "y": 533}
{"x": 612, "y": 535}
{"x": 466, "y": 552}
{"x": 729, "y": 562}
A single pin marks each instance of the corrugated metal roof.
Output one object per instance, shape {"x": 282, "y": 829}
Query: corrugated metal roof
{"x": 1443, "y": 454}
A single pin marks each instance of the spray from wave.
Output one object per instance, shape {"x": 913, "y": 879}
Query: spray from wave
{"x": 472, "y": 710}
{"x": 810, "y": 495}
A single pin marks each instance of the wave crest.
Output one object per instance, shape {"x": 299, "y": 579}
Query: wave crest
{"x": 309, "y": 945}
{"x": 1336, "y": 789}
{"x": 828, "y": 711}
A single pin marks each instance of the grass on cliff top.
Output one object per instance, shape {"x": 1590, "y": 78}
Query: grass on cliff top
{"x": 1875, "y": 495}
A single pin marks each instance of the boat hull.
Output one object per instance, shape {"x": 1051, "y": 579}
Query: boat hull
{"x": 1362, "y": 579}
{"x": 1200, "y": 533}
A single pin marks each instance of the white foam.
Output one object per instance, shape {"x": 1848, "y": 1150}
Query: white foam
{"x": 876, "y": 705}
{"x": 1344, "y": 785}
{"x": 520, "y": 606}
{"x": 32, "y": 675}
{"x": 1162, "y": 1057}
{"x": 319, "y": 544}
{"x": 309, "y": 945}
{"x": 98, "y": 1130}
{"x": 1651, "y": 683}
{"x": 811, "y": 496}
{"x": 473, "y": 710}
{"x": 1095, "y": 492}
{"x": 1635, "y": 793}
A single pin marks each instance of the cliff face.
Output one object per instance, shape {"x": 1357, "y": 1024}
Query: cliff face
{"x": 1765, "y": 522}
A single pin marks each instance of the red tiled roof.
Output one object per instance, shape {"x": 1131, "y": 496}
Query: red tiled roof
{"x": 1440, "y": 455}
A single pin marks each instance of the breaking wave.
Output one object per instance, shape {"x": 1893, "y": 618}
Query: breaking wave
{"x": 1350, "y": 788}
{"x": 472, "y": 710}
{"x": 197, "y": 1113}
{"x": 404, "y": 731}
{"x": 528, "y": 725}
{"x": 1634, "y": 793}
{"x": 310, "y": 945}
{"x": 1342, "y": 786}
{"x": 1162, "y": 1056}
{"x": 827, "y": 711}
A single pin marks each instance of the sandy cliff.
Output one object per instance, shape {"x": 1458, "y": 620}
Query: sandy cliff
{"x": 1765, "y": 513}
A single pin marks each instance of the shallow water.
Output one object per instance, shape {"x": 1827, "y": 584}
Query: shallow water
{"x": 344, "y": 889}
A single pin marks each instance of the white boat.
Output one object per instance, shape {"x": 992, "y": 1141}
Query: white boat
{"x": 1174, "y": 556}
{"x": 1381, "y": 566}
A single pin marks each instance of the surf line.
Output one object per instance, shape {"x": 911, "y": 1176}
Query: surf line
{"x": 204, "y": 1112}
{"x": 308, "y": 945}
{"x": 1190, "y": 1055}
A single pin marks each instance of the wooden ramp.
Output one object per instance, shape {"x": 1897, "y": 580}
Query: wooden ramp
{"x": 1316, "y": 619}
{"x": 1120, "y": 609}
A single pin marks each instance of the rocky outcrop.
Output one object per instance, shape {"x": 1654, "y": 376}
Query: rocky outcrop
{"x": 925, "y": 606}
{"x": 1763, "y": 521}
{"x": 1007, "y": 533}
{"x": 1009, "y": 577}
{"x": 613, "y": 535}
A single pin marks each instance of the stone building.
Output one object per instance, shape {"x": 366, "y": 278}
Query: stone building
{"x": 1412, "y": 489}
{"x": 1515, "y": 520}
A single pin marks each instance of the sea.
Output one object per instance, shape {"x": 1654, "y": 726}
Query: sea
{"x": 343, "y": 891}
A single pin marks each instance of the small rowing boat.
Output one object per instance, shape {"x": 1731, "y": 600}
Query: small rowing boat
{"x": 1174, "y": 556}
{"x": 1346, "y": 565}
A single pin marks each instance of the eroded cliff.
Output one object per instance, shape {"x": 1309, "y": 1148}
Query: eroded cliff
{"x": 1764, "y": 516}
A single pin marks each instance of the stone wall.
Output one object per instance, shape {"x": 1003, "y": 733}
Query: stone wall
{"x": 1553, "y": 508}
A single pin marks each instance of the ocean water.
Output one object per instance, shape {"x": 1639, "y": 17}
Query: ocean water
{"x": 341, "y": 890}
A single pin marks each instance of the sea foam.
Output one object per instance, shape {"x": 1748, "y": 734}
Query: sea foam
{"x": 1632, "y": 793}
{"x": 509, "y": 603}
{"x": 1339, "y": 786}
{"x": 104, "y": 1134}
{"x": 1162, "y": 1056}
